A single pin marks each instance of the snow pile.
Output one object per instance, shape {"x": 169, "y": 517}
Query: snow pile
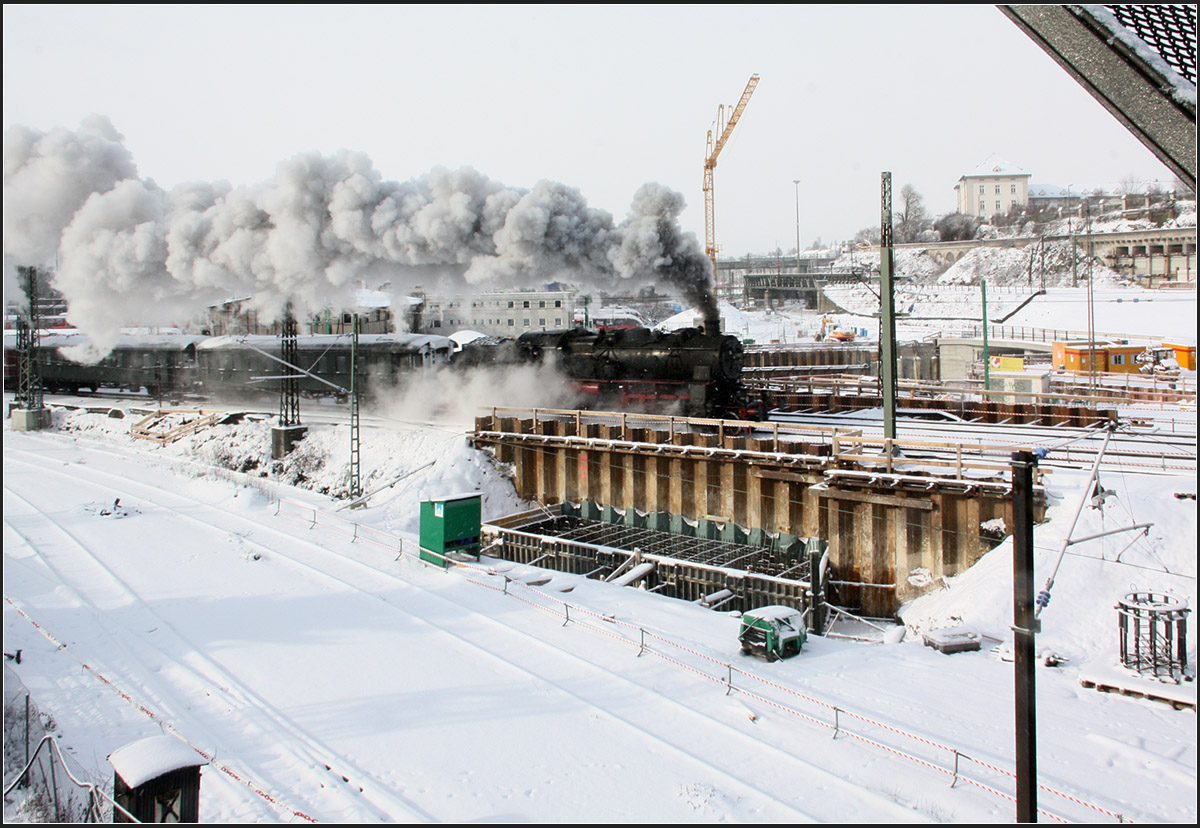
{"x": 1080, "y": 621}
{"x": 907, "y": 262}
{"x": 923, "y": 301}
{"x": 1028, "y": 266}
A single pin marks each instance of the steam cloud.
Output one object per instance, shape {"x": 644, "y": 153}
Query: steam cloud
{"x": 131, "y": 253}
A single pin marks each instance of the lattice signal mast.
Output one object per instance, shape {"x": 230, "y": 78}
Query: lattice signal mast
{"x": 712, "y": 150}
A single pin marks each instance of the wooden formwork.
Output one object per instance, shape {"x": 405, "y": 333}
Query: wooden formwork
{"x": 891, "y": 525}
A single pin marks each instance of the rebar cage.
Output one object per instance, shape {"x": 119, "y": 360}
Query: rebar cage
{"x": 1153, "y": 634}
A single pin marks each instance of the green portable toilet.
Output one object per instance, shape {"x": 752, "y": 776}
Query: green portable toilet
{"x": 450, "y": 525}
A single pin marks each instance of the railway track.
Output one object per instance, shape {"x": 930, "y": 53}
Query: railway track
{"x": 657, "y": 725}
{"x": 1138, "y": 448}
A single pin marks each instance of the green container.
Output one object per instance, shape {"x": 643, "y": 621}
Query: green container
{"x": 450, "y": 526}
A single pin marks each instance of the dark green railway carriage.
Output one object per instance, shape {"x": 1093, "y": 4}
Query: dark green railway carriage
{"x": 158, "y": 363}
{"x": 249, "y": 364}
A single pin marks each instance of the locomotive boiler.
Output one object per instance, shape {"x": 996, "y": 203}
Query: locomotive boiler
{"x": 688, "y": 370}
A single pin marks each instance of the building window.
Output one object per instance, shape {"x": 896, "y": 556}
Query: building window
{"x": 981, "y": 190}
{"x": 1014, "y": 189}
{"x": 542, "y": 303}
{"x": 525, "y": 322}
{"x": 1117, "y": 359}
{"x": 512, "y": 322}
{"x": 526, "y": 303}
{"x": 997, "y": 189}
{"x": 558, "y": 303}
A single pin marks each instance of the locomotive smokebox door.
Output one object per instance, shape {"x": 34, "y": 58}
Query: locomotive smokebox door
{"x": 450, "y": 527}
{"x": 157, "y": 780}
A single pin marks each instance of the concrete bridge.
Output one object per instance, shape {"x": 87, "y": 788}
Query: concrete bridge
{"x": 1162, "y": 254}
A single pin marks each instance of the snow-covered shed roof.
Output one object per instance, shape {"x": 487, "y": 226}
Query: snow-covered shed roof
{"x": 139, "y": 762}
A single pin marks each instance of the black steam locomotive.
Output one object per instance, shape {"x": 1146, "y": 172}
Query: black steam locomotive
{"x": 687, "y": 371}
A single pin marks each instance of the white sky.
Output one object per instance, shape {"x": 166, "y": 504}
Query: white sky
{"x": 602, "y": 98}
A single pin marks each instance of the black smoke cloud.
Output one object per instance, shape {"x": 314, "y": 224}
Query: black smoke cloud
{"x": 130, "y": 252}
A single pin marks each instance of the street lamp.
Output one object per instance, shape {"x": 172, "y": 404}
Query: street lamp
{"x": 796, "y": 181}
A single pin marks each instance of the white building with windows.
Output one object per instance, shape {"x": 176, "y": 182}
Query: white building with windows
{"x": 507, "y": 313}
{"x": 995, "y": 186}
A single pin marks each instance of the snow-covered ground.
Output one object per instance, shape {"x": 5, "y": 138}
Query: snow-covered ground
{"x": 187, "y": 589}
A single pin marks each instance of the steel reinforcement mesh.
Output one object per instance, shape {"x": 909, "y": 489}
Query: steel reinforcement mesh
{"x": 723, "y": 554}
{"x": 1170, "y": 30}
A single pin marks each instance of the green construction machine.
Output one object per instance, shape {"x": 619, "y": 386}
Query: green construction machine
{"x": 772, "y": 632}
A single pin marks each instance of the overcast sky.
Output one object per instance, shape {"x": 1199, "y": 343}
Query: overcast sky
{"x": 602, "y": 98}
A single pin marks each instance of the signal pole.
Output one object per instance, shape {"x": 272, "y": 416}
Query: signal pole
{"x": 29, "y": 413}
{"x": 355, "y": 464}
{"x": 288, "y": 431}
{"x": 887, "y": 312}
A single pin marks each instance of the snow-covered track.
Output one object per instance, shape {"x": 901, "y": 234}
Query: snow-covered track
{"x": 223, "y": 704}
{"x": 655, "y": 723}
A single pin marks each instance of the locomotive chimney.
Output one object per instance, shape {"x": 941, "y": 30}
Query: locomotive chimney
{"x": 710, "y": 321}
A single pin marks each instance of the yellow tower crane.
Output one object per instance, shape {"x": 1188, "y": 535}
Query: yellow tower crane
{"x": 725, "y": 128}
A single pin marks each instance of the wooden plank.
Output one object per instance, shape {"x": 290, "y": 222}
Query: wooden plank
{"x": 882, "y": 500}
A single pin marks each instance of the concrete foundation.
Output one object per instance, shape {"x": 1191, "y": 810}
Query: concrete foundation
{"x": 284, "y": 438}
{"x": 30, "y": 419}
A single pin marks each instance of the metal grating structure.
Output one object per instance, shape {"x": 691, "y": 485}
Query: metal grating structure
{"x": 1170, "y": 30}
{"x": 1138, "y": 62}
{"x": 698, "y": 550}
{"x": 289, "y": 387}
{"x": 772, "y": 570}
{"x": 1153, "y": 632}
{"x": 29, "y": 384}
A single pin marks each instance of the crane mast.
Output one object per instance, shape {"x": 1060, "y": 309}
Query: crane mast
{"x": 712, "y": 150}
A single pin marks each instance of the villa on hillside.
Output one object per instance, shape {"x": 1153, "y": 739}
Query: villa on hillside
{"x": 994, "y": 186}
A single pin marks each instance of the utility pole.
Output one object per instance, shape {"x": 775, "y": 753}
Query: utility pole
{"x": 1025, "y": 626}
{"x": 288, "y": 430}
{"x": 987, "y": 362}
{"x": 355, "y": 459}
{"x": 29, "y": 413}
{"x": 887, "y": 312}
{"x": 797, "y": 183}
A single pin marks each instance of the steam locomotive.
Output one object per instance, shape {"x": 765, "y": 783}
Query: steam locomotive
{"x": 687, "y": 371}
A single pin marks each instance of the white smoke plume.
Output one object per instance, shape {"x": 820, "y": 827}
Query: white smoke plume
{"x": 320, "y": 229}
{"x": 47, "y": 177}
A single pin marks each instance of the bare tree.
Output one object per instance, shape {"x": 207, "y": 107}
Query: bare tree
{"x": 912, "y": 217}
